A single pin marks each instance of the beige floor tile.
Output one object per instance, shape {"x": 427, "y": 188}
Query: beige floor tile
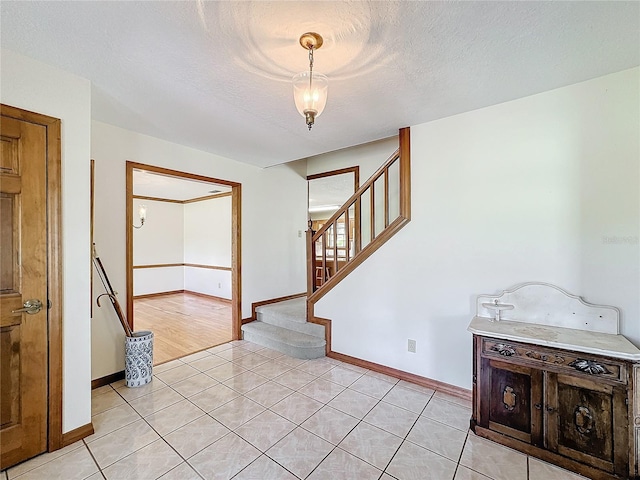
{"x": 316, "y": 367}
{"x": 237, "y": 412}
{"x": 167, "y": 366}
{"x": 213, "y": 397}
{"x": 207, "y": 363}
{"x": 173, "y": 417}
{"x": 75, "y": 465}
{"x": 415, "y": 387}
{"x": 265, "y": 430}
{"x": 330, "y": 424}
{"x": 406, "y": 398}
{"x": 493, "y": 460}
{"x": 148, "y": 463}
{"x": 156, "y": 400}
{"x": 341, "y": 465}
{"x": 386, "y": 476}
{"x": 448, "y": 413}
{"x": 111, "y": 420}
{"x": 267, "y": 352}
{"x": 197, "y": 435}
{"x": 96, "y": 476}
{"x": 233, "y": 354}
{"x": 220, "y": 348}
{"x": 116, "y": 445}
{"x": 297, "y": 407}
{"x": 225, "y": 371}
{"x": 177, "y": 374}
{"x": 131, "y": 393}
{"x": 42, "y": 459}
{"x": 300, "y": 452}
{"x": 416, "y": 463}
{"x": 539, "y": 470}
{"x": 354, "y": 368}
{"x": 252, "y": 360}
{"x": 322, "y": 390}
{"x": 354, "y": 403}
{"x": 463, "y": 402}
{"x": 294, "y": 379}
{"x": 101, "y": 390}
{"x": 181, "y": 472}
{"x": 265, "y": 469}
{"x": 105, "y": 401}
{"x": 271, "y": 369}
{"x": 371, "y": 386}
{"x": 341, "y": 376}
{"x": 371, "y": 444}
{"x": 193, "y": 385}
{"x": 250, "y": 346}
{"x": 225, "y": 458}
{"x": 245, "y": 381}
{"x": 438, "y": 437}
{"x": 464, "y": 473}
{"x": 292, "y": 362}
{"x": 195, "y": 356}
{"x": 393, "y": 419}
{"x": 382, "y": 376}
{"x": 269, "y": 394}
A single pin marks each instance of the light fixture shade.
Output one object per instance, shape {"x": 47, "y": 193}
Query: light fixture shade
{"x": 310, "y": 97}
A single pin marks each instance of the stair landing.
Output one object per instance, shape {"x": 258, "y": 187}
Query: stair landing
{"x": 283, "y": 327}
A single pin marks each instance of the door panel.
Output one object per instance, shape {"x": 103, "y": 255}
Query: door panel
{"x": 23, "y": 276}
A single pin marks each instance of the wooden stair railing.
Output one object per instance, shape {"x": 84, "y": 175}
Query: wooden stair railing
{"x": 370, "y": 217}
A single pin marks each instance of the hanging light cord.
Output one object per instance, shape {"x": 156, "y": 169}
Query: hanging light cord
{"x": 310, "y": 66}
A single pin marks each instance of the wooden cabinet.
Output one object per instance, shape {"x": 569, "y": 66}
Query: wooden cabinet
{"x": 569, "y": 408}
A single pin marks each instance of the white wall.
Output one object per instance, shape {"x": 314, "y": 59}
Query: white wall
{"x": 207, "y": 241}
{"x": 159, "y": 241}
{"x": 369, "y": 157}
{"x": 544, "y": 188}
{"x": 273, "y": 256}
{"x": 34, "y": 86}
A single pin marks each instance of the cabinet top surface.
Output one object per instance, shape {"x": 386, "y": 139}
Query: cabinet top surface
{"x": 610, "y": 345}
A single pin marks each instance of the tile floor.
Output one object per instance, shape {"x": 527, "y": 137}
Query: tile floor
{"x": 245, "y": 412}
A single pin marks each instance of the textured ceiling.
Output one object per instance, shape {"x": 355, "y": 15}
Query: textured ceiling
{"x": 217, "y": 75}
{"x": 149, "y": 184}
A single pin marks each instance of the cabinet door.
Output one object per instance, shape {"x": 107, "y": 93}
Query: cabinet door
{"x": 511, "y": 400}
{"x": 587, "y": 421}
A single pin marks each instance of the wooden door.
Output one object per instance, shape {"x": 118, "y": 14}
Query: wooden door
{"x": 511, "y": 400}
{"x": 23, "y": 277}
{"x": 587, "y": 421}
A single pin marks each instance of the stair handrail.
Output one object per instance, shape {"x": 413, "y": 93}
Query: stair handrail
{"x": 376, "y": 240}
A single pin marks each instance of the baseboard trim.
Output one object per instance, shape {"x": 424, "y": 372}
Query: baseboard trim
{"x": 267, "y": 302}
{"x": 107, "y": 379}
{"x": 77, "y": 434}
{"x": 402, "y": 375}
{"x": 159, "y": 294}
{"x": 206, "y": 295}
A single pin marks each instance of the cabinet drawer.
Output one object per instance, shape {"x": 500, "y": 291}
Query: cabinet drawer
{"x": 561, "y": 361}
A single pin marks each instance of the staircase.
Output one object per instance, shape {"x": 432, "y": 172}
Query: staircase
{"x": 374, "y": 213}
{"x": 283, "y": 326}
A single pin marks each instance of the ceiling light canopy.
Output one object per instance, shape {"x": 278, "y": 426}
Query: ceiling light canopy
{"x": 310, "y": 89}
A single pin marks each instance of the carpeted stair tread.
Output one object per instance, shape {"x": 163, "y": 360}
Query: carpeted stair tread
{"x": 287, "y": 341}
{"x": 294, "y": 310}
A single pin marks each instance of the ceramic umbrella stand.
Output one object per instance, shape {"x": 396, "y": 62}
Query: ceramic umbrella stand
{"x": 138, "y": 363}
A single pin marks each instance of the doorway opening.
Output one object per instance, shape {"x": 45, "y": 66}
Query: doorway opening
{"x": 327, "y": 192}
{"x": 183, "y": 259}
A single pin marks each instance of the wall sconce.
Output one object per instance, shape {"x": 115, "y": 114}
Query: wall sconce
{"x": 142, "y": 212}
{"x": 310, "y": 89}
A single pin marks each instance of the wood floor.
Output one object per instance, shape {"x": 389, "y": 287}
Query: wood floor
{"x": 182, "y": 323}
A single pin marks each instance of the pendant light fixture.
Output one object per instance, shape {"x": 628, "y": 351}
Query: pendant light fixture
{"x": 310, "y": 88}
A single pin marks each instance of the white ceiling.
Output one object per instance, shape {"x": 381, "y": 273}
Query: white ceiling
{"x": 217, "y": 75}
{"x": 149, "y": 184}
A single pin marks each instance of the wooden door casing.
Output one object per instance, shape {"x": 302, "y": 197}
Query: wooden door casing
{"x": 23, "y": 337}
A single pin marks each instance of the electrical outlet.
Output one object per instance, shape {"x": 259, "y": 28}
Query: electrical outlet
{"x": 299, "y": 233}
{"x": 411, "y": 346}
{"x": 219, "y": 285}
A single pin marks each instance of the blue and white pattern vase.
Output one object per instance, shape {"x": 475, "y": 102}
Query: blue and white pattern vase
{"x": 138, "y": 362}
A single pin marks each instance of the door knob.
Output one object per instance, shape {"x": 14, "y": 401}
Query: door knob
{"x": 31, "y": 306}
